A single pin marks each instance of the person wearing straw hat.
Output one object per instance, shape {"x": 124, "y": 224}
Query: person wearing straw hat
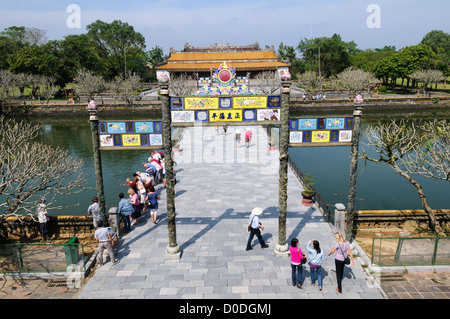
{"x": 255, "y": 228}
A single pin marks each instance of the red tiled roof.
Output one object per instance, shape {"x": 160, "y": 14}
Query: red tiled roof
{"x": 194, "y": 61}
{"x": 240, "y": 66}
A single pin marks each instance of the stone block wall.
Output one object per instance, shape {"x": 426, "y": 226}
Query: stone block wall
{"x": 59, "y": 227}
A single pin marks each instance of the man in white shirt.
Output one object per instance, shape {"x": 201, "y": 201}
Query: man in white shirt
{"x": 255, "y": 227}
{"x": 95, "y": 211}
{"x": 155, "y": 159}
{"x": 41, "y": 209}
{"x": 105, "y": 241}
{"x": 155, "y": 155}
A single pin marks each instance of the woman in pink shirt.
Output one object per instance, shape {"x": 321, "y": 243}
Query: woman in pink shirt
{"x": 134, "y": 200}
{"x": 296, "y": 263}
{"x": 248, "y": 137}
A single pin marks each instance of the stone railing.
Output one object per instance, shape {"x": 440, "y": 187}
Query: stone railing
{"x": 59, "y": 227}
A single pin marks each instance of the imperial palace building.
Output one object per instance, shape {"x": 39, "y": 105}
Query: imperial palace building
{"x": 200, "y": 62}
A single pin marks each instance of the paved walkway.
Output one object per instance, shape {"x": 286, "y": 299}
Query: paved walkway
{"x": 416, "y": 285}
{"x": 215, "y": 194}
{"x": 218, "y": 185}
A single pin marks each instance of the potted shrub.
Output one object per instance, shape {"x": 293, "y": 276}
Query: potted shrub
{"x": 308, "y": 189}
{"x": 176, "y": 146}
{"x": 272, "y": 143}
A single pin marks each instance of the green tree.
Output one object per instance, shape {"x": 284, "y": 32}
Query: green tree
{"x": 36, "y": 59}
{"x": 12, "y": 39}
{"x": 77, "y": 52}
{"x": 154, "y": 57}
{"x": 439, "y": 42}
{"x": 118, "y": 46}
{"x": 333, "y": 53}
{"x": 287, "y": 54}
{"x": 365, "y": 60}
{"x": 414, "y": 58}
{"x": 403, "y": 63}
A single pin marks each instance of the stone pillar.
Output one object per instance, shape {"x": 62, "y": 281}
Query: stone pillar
{"x": 350, "y": 231}
{"x": 339, "y": 218}
{"x": 92, "y": 108}
{"x": 114, "y": 220}
{"x": 173, "y": 251}
{"x": 282, "y": 247}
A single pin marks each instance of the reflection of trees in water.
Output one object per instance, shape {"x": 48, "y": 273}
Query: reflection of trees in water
{"x": 72, "y": 132}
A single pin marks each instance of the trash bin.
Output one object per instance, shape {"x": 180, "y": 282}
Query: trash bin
{"x": 71, "y": 250}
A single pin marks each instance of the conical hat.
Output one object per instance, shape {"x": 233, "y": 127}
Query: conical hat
{"x": 257, "y": 211}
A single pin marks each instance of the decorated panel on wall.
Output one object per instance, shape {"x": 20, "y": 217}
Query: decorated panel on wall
{"x": 320, "y": 131}
{"x": 130, "y": 134}
{"x": 225, "y": 109}
{"x": 245, "y": 102}
{"x": 225, "y": 102}
{"x": 201, "y": 103}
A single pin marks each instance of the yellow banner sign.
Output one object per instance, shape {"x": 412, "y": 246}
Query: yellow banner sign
{"x": 201, "y": 103}
{"x": 225, "y": 115}
{"x": 242, "y": 102}
{"x": 131, "y": 140}
{"x": 320, "y": 137}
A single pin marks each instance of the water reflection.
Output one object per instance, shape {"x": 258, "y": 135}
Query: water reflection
{"x": 378, "y": 187}
{"x": 74, "y": 134}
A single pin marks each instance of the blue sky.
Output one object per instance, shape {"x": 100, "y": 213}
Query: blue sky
{"x": 172, "y": 23}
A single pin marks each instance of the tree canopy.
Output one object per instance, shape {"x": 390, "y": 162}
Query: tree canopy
{"x": 117, "y": 46}
{"x": 116, "y": 49}
{"x": 333, "y": 53}
{"x": 106, "y": 49}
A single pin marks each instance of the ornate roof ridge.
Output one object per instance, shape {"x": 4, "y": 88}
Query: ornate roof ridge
{"x": 221, "y": 47}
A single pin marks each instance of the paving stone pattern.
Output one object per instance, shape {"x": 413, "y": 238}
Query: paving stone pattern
{"x": 416, "y": 285}
{"x": 218, "y": 186}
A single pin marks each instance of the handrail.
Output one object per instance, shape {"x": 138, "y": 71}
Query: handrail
{"x": 407, "y": 257}
{"x": 324, "y": 207}
{"x": 18, "y": 258}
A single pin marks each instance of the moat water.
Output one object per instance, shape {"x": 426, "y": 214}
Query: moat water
{"x": 378, "y": 187}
